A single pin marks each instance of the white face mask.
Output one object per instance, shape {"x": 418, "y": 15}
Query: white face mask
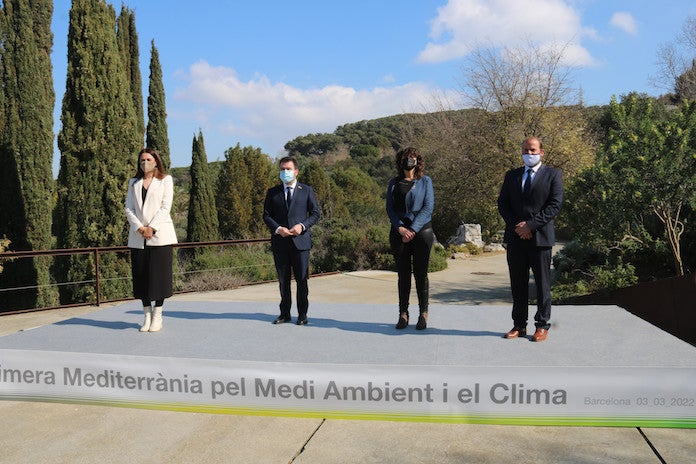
{"x": 531, "y": 160}
{"x": 147, "y": 165}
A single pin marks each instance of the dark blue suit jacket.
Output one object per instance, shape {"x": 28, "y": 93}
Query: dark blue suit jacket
{"x": 537, "y": 208}
{"x": 303, "y": 209}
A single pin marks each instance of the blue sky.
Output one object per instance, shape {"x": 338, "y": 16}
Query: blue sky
{"x": 263, "y": 72}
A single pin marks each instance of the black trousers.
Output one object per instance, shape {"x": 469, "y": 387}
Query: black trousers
{"x": 521, "y": 256}
{"x": 412, "y": 258}
{"x": 288, "y": 262}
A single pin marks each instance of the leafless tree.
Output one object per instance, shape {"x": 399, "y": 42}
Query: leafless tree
{"x": 508, "y": 94}
{"x": 528, "y": 90}
{"x": 676, "y": 63}
{"x": 521, "y": 77}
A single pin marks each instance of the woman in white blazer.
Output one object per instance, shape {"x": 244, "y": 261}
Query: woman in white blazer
{"x": 151, "y": 236}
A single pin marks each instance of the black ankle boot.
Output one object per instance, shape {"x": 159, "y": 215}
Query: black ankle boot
{"x": 403, "y": 321}
{"x": 422, "y": 321}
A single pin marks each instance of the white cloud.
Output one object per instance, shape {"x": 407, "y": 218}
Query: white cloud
{"x": 463, "y": 25}
{"x": 625, "y": 22}
{"x": 262, "y": 113}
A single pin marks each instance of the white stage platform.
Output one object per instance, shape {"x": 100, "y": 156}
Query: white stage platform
{"x": 600, "y": 365}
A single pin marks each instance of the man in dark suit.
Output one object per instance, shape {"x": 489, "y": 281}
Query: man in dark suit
{"x": 289, "y": 211}
{"x": 529, "y": 199}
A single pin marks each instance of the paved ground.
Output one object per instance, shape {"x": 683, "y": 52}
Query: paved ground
{"x": 64, "y": 433}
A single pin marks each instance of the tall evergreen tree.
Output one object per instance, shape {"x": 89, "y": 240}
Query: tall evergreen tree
{"x": 99, "y": 145}
{"x": 26, "y": 147}
{"x": 127, "y": 37}
{"x": 157, "y": 137}
{"x": 202, "y": 215}
{"x": 245, "y": 177}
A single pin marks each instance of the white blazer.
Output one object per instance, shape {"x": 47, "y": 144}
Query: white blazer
{"x": 155, "y": 212}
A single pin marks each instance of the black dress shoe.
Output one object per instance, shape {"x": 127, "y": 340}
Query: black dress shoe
{"x": 302, "y": 321}
{"x": 281, "y": 320}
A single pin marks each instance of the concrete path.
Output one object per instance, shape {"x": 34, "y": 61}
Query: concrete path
{"x": 65, "y": 433}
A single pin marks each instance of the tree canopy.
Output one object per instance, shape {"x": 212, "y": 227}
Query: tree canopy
{"x": 639, "y": 195}
{"x": 202, "y": 224}
{"x": 157, "y": 133}
{"x": 99, "y": 143}
{"x": 27, "y": 99}
{"x": 245, "y": 177}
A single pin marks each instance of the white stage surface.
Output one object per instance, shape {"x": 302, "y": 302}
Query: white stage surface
{"x": 600, "y": 365}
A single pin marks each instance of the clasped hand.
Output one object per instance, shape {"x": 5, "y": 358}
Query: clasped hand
{"x": 406, "y": 234}
{"x": 146, "y": 232}
{"x": 523, "y": 231}
{"x": 294, "y": 231}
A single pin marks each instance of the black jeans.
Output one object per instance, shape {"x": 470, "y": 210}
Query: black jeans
{"x": 412, "y": 258}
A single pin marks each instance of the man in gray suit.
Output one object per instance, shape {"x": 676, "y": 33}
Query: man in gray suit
{"x": 529, "y": 199}
{"x": 290, "y": 210}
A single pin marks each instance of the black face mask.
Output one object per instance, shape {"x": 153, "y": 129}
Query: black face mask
{"x": 408, "y": 163}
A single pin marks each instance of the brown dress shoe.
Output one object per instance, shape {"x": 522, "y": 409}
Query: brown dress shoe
{"x": 540, "y": 335}
{"x": 516, "y": 332}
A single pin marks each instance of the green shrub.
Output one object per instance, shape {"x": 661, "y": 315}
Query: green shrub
{"x": 384, "y": 261}
{"x": 354, "y": 248}
{"x": 4, "y": 244}
{"x": 582, "y": 269}
{"x": 226, "y": 266}
{"x": 438, "y": 258}
{"x": 467, "y": 248}
{"x": 577, "y": 258}
{"x": 561, "y": 291}
{"x": 613, "y": 277}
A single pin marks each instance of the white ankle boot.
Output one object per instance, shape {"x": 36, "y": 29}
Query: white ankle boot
{"x": 148, "y": 319}
{"x": 156, "y": 324}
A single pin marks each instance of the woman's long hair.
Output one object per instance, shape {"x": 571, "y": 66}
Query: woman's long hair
{"x": 412, "y": 152}
{"x": 160, "y": 171}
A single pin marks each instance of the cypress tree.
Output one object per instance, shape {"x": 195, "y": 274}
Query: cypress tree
{"x": 202, "y": 215}
{"x": 99, "y": 145}
{"x": 245, "y": 177}
{"x": 157, "y": 137}
{"x": 127, "y": 37}
{"x": 26, "y": 148}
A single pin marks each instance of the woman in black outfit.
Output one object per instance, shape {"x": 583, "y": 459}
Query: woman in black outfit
{"x": 410, "y": 202}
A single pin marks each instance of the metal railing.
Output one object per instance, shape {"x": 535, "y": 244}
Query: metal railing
{"x": 95, "y": 252}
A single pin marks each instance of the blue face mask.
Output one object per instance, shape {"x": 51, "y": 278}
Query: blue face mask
{"x": 287, "y": 175}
